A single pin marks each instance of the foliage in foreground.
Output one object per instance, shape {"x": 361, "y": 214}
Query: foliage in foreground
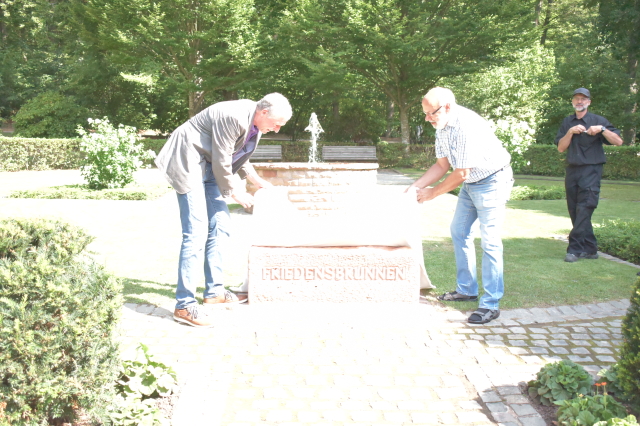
{"x": 627, "y": 421}
{"x": 628, "y": 368}
{"x": 559, "y": 381}
{"x": 58, "y": 316}
{"x": 610, "y": 379}
{"x": 588, "y": 410}
{"x": 112, "y": 154}
{"x": 81, "y": 192}
{"x": 620, "y": 238}
{"x": 141, "y": 380}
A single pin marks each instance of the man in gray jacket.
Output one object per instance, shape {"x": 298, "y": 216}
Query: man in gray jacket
{"x": 199, "y": 161}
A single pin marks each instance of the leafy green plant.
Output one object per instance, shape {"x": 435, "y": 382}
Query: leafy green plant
{"x": 620, "y": 238}
{"x": 588, "y": 410}
{"x": 559, "y": 381}
{"x": 627, "y": 421}
{"x": 112, "y": 154}
{"x": 145, "y": 377}
{"x": 628, "y": 367}
{"x": 129, "y": 410}
{"x": 537, "y": 193}
{"x": 609, "y": 379}
{"x": 141, "y": 379}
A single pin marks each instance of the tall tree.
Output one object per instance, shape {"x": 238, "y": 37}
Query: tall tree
{"x": 31, "y": 50}
{"x": 200, "y": 46}
{"x": 404, "y": 47}
{"x": 619, "y": 22}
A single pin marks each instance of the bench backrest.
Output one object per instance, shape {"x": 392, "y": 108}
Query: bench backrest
{"x": 267, "y": 152}
{"x": 340, "y": 153}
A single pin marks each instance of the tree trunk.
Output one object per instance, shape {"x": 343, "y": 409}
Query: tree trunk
{"x": 538, "y": 10}
{"x": 547, "y": 21}
{"x": 404, "y": 124}
{"x": 230, "y": 95}
{"x": 390, "y": 112}
{"x": 195, "y": 102}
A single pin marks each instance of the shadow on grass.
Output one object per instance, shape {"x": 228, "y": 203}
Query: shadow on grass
{"x": 148, "y": 292}
{"x": 535, "y": 275}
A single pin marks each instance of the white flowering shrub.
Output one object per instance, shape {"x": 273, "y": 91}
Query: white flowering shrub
{"x": 111, "y": 154}
{"x": 516, "y": 136}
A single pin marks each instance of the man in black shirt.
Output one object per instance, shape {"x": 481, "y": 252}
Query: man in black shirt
{"x": 582, "y": 135}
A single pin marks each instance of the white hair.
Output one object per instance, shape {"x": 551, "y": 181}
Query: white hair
{"x": 442, "y": 95}
{"x": 277, "y": 105}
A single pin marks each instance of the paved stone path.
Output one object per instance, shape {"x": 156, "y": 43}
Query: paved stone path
{"x": 368, "y": 364}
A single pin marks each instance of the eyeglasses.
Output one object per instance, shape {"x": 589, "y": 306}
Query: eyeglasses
{"x": 432, "y": 113}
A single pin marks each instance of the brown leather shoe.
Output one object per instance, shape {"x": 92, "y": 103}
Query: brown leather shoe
{"x": 194, "y": 316}
{"x": 226, "y": 298}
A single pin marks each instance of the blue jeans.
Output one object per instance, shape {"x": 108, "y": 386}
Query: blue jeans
{"x": 205, "y": 220}
{"x": 485, "y": 201}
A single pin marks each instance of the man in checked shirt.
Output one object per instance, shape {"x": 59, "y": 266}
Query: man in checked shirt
{"x": 466, "y": 143}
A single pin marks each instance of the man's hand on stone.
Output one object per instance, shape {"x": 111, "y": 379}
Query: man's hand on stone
{"x": 259, "y": 182}
{"x": 243, "y": 198}
{"x": 263, "y": 183}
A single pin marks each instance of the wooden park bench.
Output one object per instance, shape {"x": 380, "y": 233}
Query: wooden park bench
{"x": 267, "y": 152}
{"x": 349, "y": 153}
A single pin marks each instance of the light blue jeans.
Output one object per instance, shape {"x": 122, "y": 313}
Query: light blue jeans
{"x": 484, "y": 201}
{"x": 205, "y": 220}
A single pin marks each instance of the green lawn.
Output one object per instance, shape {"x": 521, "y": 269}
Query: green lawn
{"x": 535, "y": 273}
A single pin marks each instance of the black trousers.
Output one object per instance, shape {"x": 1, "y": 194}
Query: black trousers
{"x": 582, "y": 186}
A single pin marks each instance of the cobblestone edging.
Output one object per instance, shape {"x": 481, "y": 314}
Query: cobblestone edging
{"x": 370, "y": 364}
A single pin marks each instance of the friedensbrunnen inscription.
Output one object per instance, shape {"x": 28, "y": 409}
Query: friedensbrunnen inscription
{"x": 329, "y": 273}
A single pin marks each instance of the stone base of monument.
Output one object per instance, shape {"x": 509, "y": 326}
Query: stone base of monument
{"x": 333, "y": 274}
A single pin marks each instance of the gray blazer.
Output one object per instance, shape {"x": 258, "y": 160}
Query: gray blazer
{"x": 212, "y": 135}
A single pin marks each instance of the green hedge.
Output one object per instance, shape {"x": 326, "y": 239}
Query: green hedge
{"x": 623, "y": 162}
{"x": 620, "y": 238}
{"x": 59, "y": 312}
{"x": 38, "y": 154}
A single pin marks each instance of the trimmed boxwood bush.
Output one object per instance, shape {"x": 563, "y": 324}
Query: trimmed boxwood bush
{"x": 38, "y": 154}
{"x": 620, "y": 238}
{"x": 628, "y": 368}
{"x": 58, "y": 316}
{"x": 537, "y": 193}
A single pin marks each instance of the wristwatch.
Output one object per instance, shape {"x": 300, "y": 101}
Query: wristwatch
{"x": 602, "y": 129}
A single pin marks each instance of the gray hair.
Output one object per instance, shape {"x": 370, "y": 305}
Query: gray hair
{"x": 442, "y": 95}
{"x": 277, "y": 105}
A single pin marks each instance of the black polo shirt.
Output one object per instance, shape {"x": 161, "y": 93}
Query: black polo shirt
{"x": 585, "y": 149}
